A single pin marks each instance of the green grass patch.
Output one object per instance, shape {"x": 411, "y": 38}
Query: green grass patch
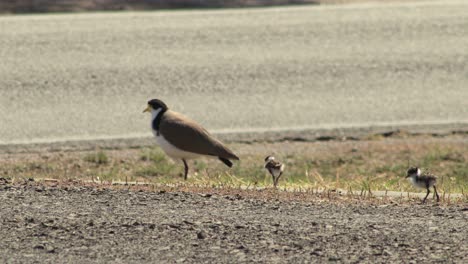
{"x": 356, "y": 170}
{"x": 156, "y": 165}
{"x": 98, "y": 158}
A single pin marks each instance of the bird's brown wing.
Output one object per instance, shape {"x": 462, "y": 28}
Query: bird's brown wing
{"x": 189, "y": 136}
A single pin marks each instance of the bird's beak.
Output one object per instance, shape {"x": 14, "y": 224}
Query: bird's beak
{"x": 148, "y": 109}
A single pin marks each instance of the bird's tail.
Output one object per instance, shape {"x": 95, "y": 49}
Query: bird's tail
{"x": 226, "y": 161}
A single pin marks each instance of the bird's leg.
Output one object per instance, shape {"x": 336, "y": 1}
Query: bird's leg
{"x": 186, "y": 169}
{"x": 272, "y": 173}
{"x": 428, "y": 192}
{"x": 437, "y": 195}
{"x": 277, "y": 179}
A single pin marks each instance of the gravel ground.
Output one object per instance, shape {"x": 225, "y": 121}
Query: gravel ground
{"x": 89, "y": 224}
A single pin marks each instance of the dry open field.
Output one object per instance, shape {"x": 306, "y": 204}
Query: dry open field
{"x": 376, "y": 162}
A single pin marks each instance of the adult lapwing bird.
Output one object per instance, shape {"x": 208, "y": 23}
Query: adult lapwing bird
{"x": 181, "y": 138}
{"x": 275, "y": 168}
{"x": 422, "y": 180}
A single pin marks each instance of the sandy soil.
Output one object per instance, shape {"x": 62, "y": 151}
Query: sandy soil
{"x": 91, "y": 224}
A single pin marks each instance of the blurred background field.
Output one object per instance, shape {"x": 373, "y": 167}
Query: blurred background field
{"x": 44, "y": 6}
{"x": 88, "y": 76}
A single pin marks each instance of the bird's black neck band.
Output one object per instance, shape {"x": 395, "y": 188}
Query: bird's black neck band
{"x": 157, "y": 121}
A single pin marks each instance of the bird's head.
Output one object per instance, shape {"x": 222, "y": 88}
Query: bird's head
{"x": 155, "y": 105}
{"x": 269, "y": 158}
{"x": 413, "y": 171}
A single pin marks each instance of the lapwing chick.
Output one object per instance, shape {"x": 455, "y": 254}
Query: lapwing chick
{"x": 275, "y": 168}
{"x": 181, "y": 138}
{"x": 422, "y": 180}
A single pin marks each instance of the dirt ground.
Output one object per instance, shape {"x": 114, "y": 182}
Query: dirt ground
{"x": 78, "y": 224}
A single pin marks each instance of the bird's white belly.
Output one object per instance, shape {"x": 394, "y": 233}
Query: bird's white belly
{"x": 276, "y": 172}
{"x": 173, "y": 151}
{"x": 419, "y": 184}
